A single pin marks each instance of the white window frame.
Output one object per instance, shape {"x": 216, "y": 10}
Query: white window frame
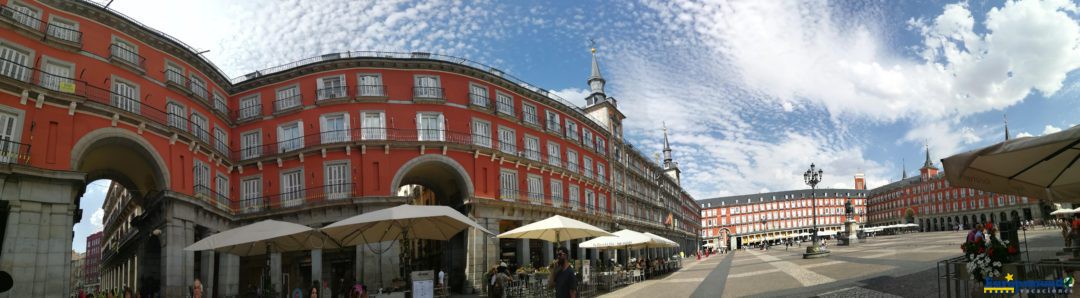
{"x": 251, "y": 194}
{"x": 286, "y": 145}
{"x": 507, "y": 140}
{"x": 10, "y": 131}
{"x": 176, "y": 118}
{"x": 219, "y": 103}
{"x": 56, "y": 82}
{"x": 201, "y": 175}
{"x": 535, "y": 187}
{"x": 575, "y": 196}
{"x": 221, "y": 187}
{"x": 478, "y": 95}
{"x": 425, "y": 134}
{"x": 250, "y": 107}
{"x": 509, "y": 186}
{"x": 324, "y": 92}
{"x": 552, "y": 122}
{"x": 369, "y": 90}
{"x": 283, "y": 101}
{"x": 334, "y": 136}
{"x": 554, "y": 153}
{"x": 572, "y": 130}
{"x": 291, "y": 195}
{"x": 529, "y": 113}
{"x": 587, "y": 166}
{"x": 556, "y": 193}
{"x": 200, "y": 126}
{"x": 532, "y": 149}
{"x": 372, "y": 133}
{"x": 247, "y": 149}
{"x": 481, "y": 135}
{"x": 337, "y": 187}
{"x": 195, "y": 81}
{"x": 22, "y": 18}
{"x": 221, "y": 139}
{"x": 125, "y": 101}
{"x": 18, "y": 71}
{"x": 132, "y": 54}
{"x": 501, "y": 104}
{"x": 175, "y": 73}
{"x": 434, "y": 93}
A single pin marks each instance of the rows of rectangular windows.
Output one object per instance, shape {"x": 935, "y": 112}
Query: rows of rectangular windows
{"x": 336, "y": 185}
{"x": 510, "y": 190}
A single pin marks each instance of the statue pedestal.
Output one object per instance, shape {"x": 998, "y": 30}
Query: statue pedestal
{"x": 852, "y": 229}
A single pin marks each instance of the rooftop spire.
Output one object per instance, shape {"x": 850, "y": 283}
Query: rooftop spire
{"x": 903, "y": 162}
{"x": 928, "y": 163}
{"x": 1006, "y": 117}
{"x": 596, "y": 81}
{"x": 667, "y": 149}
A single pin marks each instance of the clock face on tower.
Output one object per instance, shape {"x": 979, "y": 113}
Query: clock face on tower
{"x": 597, "y": 86}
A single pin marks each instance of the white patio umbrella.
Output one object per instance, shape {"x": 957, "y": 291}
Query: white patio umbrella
{"x": 620, "y": 239}
{"x": 1040, "y": 167}
{"x": 1063, "y": 211}
{"x": 555, "y": 229}
{"x": 261, "y": 237}
{"x": 403, "y": 221}
{"x": 659, "y": 242}
{"x": 624, "y": 239}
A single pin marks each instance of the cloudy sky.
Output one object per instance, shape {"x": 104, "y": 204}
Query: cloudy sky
{"x": 752, "y": 91}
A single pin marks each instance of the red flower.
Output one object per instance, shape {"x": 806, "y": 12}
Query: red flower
{"x": 1013, "y": 250}
{"x": 990, "y": 253}
{"x": 981, "y": 249}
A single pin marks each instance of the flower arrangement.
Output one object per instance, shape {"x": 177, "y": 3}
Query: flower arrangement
{"x": 985, "y": 258}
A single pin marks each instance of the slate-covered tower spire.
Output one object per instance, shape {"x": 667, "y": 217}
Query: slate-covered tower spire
{"x": 596, "y": 82}
{"x": 928, "y": 170}
{"x": 670, "y": 167}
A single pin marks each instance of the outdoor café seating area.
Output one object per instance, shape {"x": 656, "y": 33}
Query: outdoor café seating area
{"x": 598, "y": 282}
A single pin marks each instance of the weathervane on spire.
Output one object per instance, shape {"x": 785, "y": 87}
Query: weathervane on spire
{"x": 592, "y": 46}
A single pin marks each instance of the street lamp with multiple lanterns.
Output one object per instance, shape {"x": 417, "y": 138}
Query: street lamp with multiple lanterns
{"x": 811, "y": 177}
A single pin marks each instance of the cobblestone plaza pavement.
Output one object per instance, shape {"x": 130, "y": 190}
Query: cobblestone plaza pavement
{"x": 884, "y": 266}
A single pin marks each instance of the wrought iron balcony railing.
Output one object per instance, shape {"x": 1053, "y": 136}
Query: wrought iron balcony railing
{"x": 127, "y": 56}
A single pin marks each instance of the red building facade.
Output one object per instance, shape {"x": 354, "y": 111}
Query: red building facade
{"x": 87, "y": 94}
{"x": 92, "y": 262}
{"x": 929, "y": 200}
{"x": 736, "y": 221}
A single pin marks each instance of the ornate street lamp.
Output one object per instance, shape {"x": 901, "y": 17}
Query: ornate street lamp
{"x": 811, "y": 177}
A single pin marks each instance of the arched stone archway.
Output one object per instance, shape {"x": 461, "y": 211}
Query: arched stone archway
{"x": 451, "y": 186}
{"x": 122, "y": 156}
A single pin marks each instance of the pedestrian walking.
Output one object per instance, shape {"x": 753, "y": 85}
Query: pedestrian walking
{"x": 563, "y": 279}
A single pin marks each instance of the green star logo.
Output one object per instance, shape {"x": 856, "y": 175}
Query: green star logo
{"x": 1068, "y": 281}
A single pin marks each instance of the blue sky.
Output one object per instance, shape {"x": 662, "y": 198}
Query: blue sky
{"x": 752, "y": 91}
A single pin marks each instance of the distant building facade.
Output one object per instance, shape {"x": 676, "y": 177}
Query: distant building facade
{"x": 736, "y": 221}
{"x": 929, "y": 200}
{"x": 92, "y": 262}
{"x": 76, "y": 272}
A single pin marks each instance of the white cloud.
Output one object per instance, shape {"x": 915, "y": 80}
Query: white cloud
{"x": 573, "y": 95}
{"x": 1024, "y": 134}
{"x": 267, "y": 33}
{"x": 732, "y": 70}
{"x": 1050, "y": 129}
{"x": 96, "y": 220}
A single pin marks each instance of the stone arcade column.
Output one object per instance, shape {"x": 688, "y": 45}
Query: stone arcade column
{"x": 480, "y": 256}
{"x": 229, "y": 268}
{"x": 523, "y": 252}
{"x": 37, "y": 238}
{"x": 549, "y": 252}
{"x": 316, "y": 267}
{"x": 206, "y": 268}
{"x": 275, "y": 270}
